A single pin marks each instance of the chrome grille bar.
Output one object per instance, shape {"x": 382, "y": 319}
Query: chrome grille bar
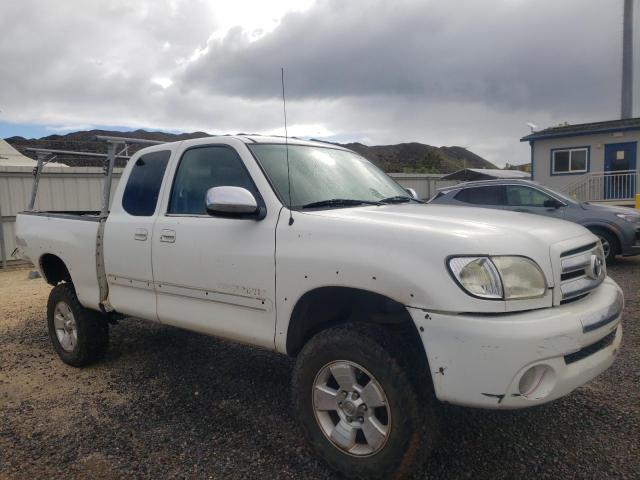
{"x": 587, "y": 268}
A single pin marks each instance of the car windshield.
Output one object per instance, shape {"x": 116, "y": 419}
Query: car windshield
{"x": 559, "y": 195}
{"x": 326, "y": 177}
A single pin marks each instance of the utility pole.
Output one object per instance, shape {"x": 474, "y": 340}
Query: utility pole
{"x": 626, "y": 110}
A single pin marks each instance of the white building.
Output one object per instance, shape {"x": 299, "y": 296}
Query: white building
{"x": 10, "y": 157}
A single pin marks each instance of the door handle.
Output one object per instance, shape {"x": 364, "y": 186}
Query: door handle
{"x": 168, "y": 236}
{"x": 141, "y": 234}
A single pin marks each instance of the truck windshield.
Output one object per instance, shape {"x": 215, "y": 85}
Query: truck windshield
{"x": 326, "y": 177}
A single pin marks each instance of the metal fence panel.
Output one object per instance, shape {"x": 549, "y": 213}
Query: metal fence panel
{"x": 60, "y": 188}
{"x": 425, "y": 184}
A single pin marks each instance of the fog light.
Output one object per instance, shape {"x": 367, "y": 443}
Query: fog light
{"x": 536, "y": 381}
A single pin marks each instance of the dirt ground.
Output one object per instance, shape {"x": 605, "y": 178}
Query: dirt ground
{"x": 166, "y": 403}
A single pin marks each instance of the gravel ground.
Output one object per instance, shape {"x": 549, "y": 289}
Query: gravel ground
{"x": 169, "y": 403}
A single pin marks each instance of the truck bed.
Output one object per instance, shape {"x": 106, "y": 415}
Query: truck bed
{"x": 70, "y": 236}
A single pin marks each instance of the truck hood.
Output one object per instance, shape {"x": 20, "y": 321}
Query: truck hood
{"x": 401, "y": 251}
{"x": 480, "y": 226}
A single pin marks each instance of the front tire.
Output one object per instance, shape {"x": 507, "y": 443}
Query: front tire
{"x": 364, "y": 406}
{"x": 609, "y": 242}
{"x": 79, "y": 336}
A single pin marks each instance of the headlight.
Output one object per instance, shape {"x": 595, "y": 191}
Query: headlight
{"x": 629, "y": 217}
{"x": 499, "y": 278}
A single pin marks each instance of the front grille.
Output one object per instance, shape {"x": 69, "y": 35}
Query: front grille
{"x": 575, "y": 251}
{"x": 573, "y": 299}
{"x": 571, "y": 275}
{"x": 583, "y": 269}
{"x": 590, "y": 349}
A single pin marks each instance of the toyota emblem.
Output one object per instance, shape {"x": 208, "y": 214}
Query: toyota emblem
{"x": 595, "y": 267}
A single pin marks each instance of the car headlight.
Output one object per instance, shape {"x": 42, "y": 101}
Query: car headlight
{"x": 629, "y": 217}
{"x": 499, "y": 278}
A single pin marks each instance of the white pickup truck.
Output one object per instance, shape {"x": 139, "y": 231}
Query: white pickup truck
{"x": 390, "y": 306}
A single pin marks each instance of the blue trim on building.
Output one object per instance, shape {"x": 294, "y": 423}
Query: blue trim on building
{"x": 544, "y": 136}
{"x": 587, "y": 147}
{"x": 620, "y": 145}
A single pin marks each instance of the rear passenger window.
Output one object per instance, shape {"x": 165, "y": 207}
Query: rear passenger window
{"x": 493, "y": 195}
{"x": 141, "y": 193}
{"x": 203, "y": 168}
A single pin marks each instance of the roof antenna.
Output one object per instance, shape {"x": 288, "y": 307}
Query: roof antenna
{"x": 286, "y": 142}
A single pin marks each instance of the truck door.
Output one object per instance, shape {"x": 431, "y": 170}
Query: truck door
{"x": 127, "y": 237}
{"x": 214, "y": 274}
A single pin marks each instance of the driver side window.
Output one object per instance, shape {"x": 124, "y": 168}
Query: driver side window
{"x": 519, "y": 196}
{"x": 201, "y": 169}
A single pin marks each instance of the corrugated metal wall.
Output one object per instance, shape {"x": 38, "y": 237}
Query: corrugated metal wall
{"x": 80, "y": 188}
{"x": 425, "y": 184}
{"x": 60, "y": 188}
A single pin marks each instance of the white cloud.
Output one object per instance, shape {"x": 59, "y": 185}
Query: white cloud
{"x": 68, "y": 128}
{"x": 164, "y": 82}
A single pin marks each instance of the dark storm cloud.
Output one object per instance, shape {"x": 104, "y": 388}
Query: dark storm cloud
{"x": 509, "y": 54}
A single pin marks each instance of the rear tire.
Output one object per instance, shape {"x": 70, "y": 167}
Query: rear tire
{"x": 79, "y": 336}
{"x": 401, "y": 384}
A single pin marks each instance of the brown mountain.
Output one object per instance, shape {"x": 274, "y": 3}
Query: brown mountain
{"x": 404, "y": 157}
{"x": 420, "y": 158}
{"x": 85, "y": 141}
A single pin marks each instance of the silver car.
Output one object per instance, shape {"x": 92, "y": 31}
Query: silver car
{"x": 617, "y": 227}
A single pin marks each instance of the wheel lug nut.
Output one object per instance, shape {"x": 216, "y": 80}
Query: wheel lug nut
{"x": 360, "y": 419}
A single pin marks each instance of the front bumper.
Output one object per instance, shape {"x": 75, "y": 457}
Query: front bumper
{"x": 480, "y": 360}
{"x": 630, "y": 251}
{"x": 632, "y": 247}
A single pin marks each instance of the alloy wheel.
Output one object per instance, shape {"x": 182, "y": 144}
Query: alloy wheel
{"x": 65, "y": 325}
{"x": 351, "y": 408}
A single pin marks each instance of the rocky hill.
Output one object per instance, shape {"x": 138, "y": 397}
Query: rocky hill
{"x": 420, "y": 158}
{"x": 404, "y": 157}
{"x": 85, "y": 141}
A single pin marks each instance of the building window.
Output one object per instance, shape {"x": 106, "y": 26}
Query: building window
{"x": 570, "y": 160}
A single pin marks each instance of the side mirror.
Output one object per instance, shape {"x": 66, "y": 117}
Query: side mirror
{"x": 413, "y": 193}
{"x": 552, "y": 203}
{"x": 231, "y": 201}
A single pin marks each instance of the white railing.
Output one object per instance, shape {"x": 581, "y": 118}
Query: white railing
{"x": 605, "y": 186}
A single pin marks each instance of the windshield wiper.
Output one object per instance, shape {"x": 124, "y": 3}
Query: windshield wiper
{"x": 399, "y": 199}
{"x": 339, "y": 202}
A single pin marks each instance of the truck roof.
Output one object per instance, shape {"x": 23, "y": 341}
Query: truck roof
{"x": 255, "y": 138}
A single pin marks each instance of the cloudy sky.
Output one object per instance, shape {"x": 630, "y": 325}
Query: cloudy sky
{"x": 464, "y": 72}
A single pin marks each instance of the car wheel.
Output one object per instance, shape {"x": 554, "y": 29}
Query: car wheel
{"x": 80, "y": 336}
{"x": 360, "y": 407}
{"x": 609, "y": 244}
